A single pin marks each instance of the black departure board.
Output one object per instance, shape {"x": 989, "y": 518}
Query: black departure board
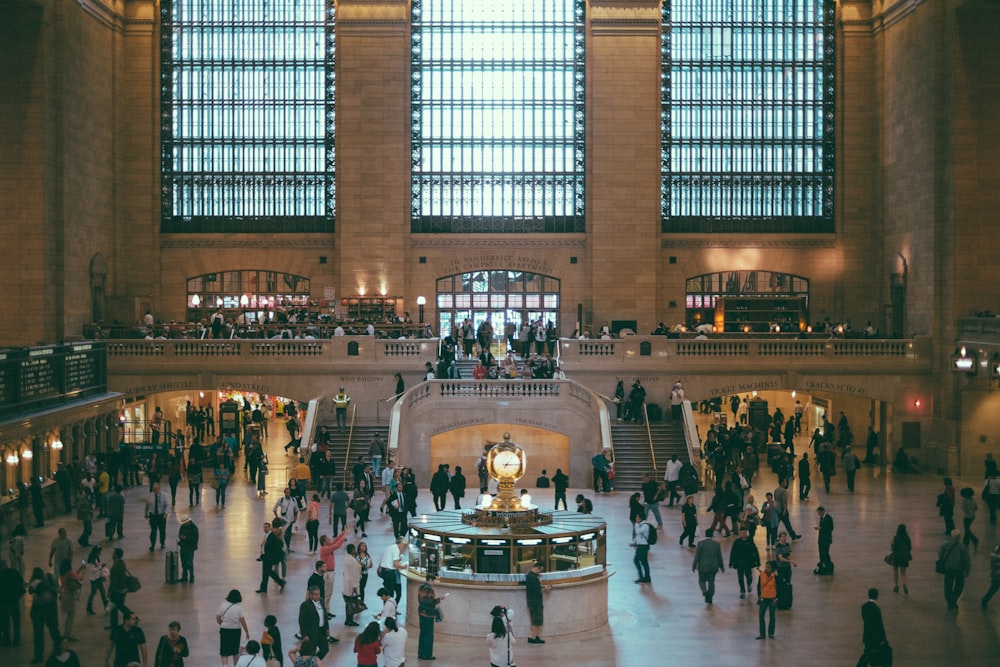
{"x": 39, "y": 378}
{"x": 80, "y": 370}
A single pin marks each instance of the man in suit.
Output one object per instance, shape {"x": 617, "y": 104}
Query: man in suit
{"x": 313, "y": 623}
{"x": 825, "y": 529}
{"x": 707, "y": 562}
{"x": 873, "y": 636}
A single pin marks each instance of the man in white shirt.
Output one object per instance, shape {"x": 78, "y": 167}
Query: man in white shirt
{"x": 392, "y": 563}
{"x": 393, "y": 643}
{"x": 287, "y": 509}
{"x": 672, "y": 477}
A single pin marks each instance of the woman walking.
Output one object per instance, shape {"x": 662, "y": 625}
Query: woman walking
{"x": 69, "y": 595}
{"x": 312, "y": 523}
{"x": 901, "y": 557}
{"x": 262, "y": 477}
{"x": 969, "y": 509}
{"x": 230, "y": 619}
{"x": 361, "y": 505}
{"x": 172, "y": 649}
{"x": 270, "y": 640}
{"x": 365, "y": 559}
{"x": 97, "y": 573}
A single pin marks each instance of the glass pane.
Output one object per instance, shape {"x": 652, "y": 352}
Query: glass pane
{"x": 498, "y": 113}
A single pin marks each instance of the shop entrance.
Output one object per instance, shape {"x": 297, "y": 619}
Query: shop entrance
{"x": 505, "y": 299}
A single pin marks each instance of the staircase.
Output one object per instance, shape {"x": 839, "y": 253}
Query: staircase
{"x": 632, "y": 458}
{"x": 363, "y": 434}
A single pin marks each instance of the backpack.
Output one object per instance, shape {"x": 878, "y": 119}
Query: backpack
{"x": 651, "y": 536}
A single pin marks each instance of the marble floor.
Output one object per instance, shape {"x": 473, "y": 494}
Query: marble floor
{"x": 648, "y": 625}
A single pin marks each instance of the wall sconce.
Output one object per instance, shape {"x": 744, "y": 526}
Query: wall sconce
{"x": 12, "y": 459}
{"x": 196, "y": 301}
{"x": 964, "y": 361}
{"x": 27, "y": 455}
{"x": 56, "y": 445}
{"x": 421, "y": 302}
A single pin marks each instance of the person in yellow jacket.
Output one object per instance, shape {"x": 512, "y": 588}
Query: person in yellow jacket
{"x": 340, "y": 401}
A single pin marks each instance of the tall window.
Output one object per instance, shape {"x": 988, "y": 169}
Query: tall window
{"x": 247, "y": 92}
{"x": 747, "y": 116}
{"x": 498, "y": 116}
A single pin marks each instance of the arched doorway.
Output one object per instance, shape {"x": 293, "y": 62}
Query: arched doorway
{"x": 505, "y": 298}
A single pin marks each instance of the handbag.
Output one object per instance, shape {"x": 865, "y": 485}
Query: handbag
{"x": 939, "y": 564}
{"x": 272, "y": 662}
{"x": 889, "y": 560}
{"x": 354, "y": 605}
{"x": 216, "y": 483}
{"x": 132, "y": 583}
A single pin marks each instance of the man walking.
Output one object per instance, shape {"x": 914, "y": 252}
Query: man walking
{"x": 781, "y": 504}
{"x": 650, "y": 493}
{"x": 640, "y": 542}
{"x": 825, "y": 528}
{"x": 954, "y": 557}
{"x": 707, "y": 562}
{"x": 157, "y": 509}
{"x": 114, "y": 505}
{"x": 805, "y": 477}
{"x": 851, "y": 465}
{"x": 744, "y": 558}
{"x": 274, "y": 553}
{"x": 287, "y": 508}
{"x": 873, "y": 636}
{"x": 313, "y": 623}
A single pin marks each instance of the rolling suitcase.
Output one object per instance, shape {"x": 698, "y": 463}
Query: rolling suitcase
{"x": 784, "y": 594}
{"x": 172, "y": 564}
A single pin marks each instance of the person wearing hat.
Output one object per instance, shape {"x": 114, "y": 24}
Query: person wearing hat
{"x": 187, "y": 542}
{"x": 340, "y": 401}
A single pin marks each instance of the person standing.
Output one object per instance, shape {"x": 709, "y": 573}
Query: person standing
{"x": 534, "y": 590}
{"x": 825, "y": 528}
{"x": 273, "y": 555}
{"x": 327, "y": 547}
{"x": 640, "y": 542}
{"x": 457, "y": 487}
{"x": 231, "y": 620}
{"x": 44, "y": 610}
{"x": 902, "y": 554}
{"x": 805, "y": 477}
{"x": 393, "y": 643}
{"x": 781, "y": 504}
{"x": 873, "y": 635}
{"x": 127, "y": 642}
{"x": 689, "y": 519}
{"x": 767, "y": 600}
{"x": 707, "y": 562}
{"x": 601, "y": 466}
{"x": 393, "y": 562}
{"x": 376, "y": 451}
{"x": 60, "y": 550}
{"x": 946, "y": 503}
{"x": 115, "y": 507}
{"x": 312, "y": 523}
{"x": 427, "y": 610}
{"x": 827, "y": 462}
{"x": 270, "y": 640}
{"x": 63, "y": 655}
{"x": 368, "y": 645}
{"x": 350, "y": 584}
{"x": 500, "y": 639}
{"x": 157, "y": 509}
{"x": 560, "y": 482}
{"x": 187, "y": 542}
{"x": 85, "y": 513}
{"x": 70, "y": 583}
{"x": 313, "y": 624}
{"x": 340, "y": 403}
{"x": 954, "y": 559}
{"x": 851, "y": 465}
{"x": 172, "y": 648}
{"x": 11, "y": 592}
{"x": 744, "y": 558}
{"x": 117, "y": 586}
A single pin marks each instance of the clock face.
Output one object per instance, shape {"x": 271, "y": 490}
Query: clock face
{"x": 506, "y": 464}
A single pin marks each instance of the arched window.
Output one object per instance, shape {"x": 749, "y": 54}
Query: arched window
{"x": 505, "y": 298}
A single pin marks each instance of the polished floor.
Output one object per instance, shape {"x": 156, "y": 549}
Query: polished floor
{"x": 656, "y": 624}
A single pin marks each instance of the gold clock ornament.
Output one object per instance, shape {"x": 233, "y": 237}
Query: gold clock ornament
{"x": 506, "y": 463}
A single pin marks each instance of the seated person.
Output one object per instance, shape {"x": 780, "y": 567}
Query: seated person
{"x": 583, "y": 504}
{"x": 902, "y": 462}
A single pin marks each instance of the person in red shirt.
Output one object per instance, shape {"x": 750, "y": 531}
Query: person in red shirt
{"x": 368, "y": 645}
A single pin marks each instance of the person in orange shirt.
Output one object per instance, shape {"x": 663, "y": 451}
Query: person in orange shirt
{"x": 767, "y": 598}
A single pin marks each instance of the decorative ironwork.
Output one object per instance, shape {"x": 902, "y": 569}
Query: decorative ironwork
{"x": 247, "y": 116}
{"x": 498, "y": 116}
{"x": 747, "y": 116}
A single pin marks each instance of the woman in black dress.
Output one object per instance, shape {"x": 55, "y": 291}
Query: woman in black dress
{"x": 901, "y": 557}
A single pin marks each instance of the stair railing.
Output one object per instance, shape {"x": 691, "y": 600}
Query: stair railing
{"x": 649, "y": 439}
{"x": 693, "y": 442}
{"x": 350, "y": 439}
{"x": 378, "y": 405}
